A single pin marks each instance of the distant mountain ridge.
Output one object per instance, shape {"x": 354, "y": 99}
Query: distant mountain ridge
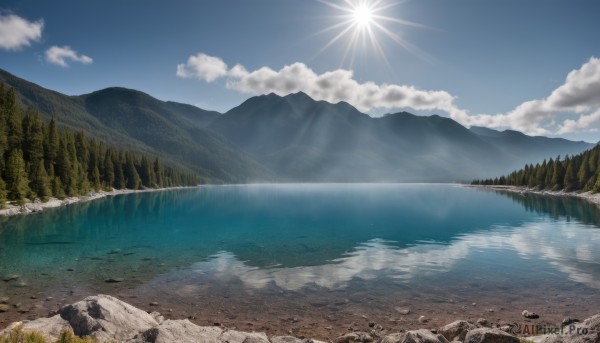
{"x": 293, "y": 138}
{"x": 302, "y": 139}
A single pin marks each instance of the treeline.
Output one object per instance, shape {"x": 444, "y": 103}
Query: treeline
{"x": 579, "y": 172}
{"x": 39, "y": 160}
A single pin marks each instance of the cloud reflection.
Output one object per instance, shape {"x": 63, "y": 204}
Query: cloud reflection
{"x": 570, "y": 248}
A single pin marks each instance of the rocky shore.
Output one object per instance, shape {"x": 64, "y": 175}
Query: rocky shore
{"x": 38, "y": 206}
{"x": 589, "y": 196}
{"x": 109, "y": 319}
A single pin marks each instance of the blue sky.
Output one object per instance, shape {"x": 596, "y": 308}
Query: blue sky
{"x": 501, "y": 64}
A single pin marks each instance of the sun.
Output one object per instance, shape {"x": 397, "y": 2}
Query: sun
{"x": 362, "y": 15}
{"x": 363, "y": 24}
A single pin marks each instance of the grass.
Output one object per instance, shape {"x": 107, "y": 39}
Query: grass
{"x": 18, "y": 335}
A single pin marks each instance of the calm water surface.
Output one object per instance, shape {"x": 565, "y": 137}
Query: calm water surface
{"x": 281, "y": 257}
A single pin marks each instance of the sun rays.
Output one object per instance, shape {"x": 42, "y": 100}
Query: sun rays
{"x": 363, "y": 24}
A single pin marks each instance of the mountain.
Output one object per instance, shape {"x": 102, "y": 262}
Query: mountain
{"x": 293, "y": 138}
{"x": 301, "y": 139}
{"x": 135, "y": 120}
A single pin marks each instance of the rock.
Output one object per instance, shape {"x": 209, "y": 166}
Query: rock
{"x": 11, "y": 277}
{"x": 403, "y": 310}
{"x": 423, "y": 319}
{"x": 106, "y": 317}
{"x": 4, "y": 300}
{"x": 182, "y": 331}
{"x": 154, "y": 303}
{"x": 158, "y": 317}
{"x": 288, "y": 339}
{"x": 231, "y": 336}
{"x": 482, "y": 322}
{"x": 415, "y": 336}
{"x": 114, "y": 280}
{"x": 456, "y": 330}
{"x": 49, "y": 327}
{"x": 586, "y": 332}
{"x": 530, "y": 315}
{"x": 4, "y": 308}
{"x": 568, "y": 320}
{"x": 393, "y": 338}
{"x": 487, "y": 335}
{"x": 354, "y": 337}
{"x": 593, "y": 323}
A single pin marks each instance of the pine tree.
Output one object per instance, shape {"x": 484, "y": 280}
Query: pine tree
{"x": 558, "y": 176}
{"x": 14, "y": 128}
{"x": 584, "y": 174}
{"x": 16, "y": 178}
{"x": 131, "y": 175}
{"x": 40, "y": 183}
{"x": 3, "y": 193}
{"x": 53, "y": 144}
{"x": 570, "y": 182}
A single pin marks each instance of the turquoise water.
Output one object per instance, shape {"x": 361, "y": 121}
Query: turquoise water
{"x": 326, "y": 245}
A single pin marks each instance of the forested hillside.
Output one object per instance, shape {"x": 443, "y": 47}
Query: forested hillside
{"x": 573, "y": 173}
{"x": 40, "y": 160}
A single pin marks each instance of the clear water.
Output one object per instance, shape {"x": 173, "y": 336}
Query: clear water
{"x": 358, "y": 248}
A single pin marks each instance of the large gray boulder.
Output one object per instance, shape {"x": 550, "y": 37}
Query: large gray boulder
{"x": 107, "y": 318}
{"x": 457, "y": 330}
{"x": 487, "y": 335}
{"x": 415, "y": 336}
{"x": 50, "y": 328}
{"x": 184, "y": 331}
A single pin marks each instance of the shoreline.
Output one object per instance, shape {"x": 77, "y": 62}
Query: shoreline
{"x": 588, "y": 196}
{"x": 37, "y": 206}
{"x": 109, "y": 318}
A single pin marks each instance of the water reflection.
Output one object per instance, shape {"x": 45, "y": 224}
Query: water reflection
{"x": 570, "y": 248}
{"x": 292, "y": 236}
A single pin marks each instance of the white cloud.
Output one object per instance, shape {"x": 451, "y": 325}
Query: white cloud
{"x": 333, "y": 86}
{"x": 17, "y": 32}
{"x": 578, "y": 97}
{"x": 203, "y": 67}
{"x": 59, "y": 56}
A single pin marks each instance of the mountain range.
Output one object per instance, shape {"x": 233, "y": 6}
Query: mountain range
{"x": 293, "y": 138}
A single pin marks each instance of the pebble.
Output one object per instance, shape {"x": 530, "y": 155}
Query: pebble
{"x": 423, "y": 319}
{"x": 403, "y": 310}
{"x": 4, "y": 300}
{"x": 530, "y": 315}
{"x": 114, "y": 280}
{"x": 154, "y": 303}
{"x": 4, "y": 308}
{"x": 11, "y": 277}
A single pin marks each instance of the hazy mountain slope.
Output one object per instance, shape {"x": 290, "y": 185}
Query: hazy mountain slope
{"x": 529, "y": 148}
{"x": 303, "y": 139}
{"x": 138, "y": 121}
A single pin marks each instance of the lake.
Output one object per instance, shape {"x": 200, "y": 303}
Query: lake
{"x": 311, "y": 258}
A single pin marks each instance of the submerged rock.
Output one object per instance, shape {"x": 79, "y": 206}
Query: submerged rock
{"x": 114, "y": 280}
{"x": 530, "y": 315}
